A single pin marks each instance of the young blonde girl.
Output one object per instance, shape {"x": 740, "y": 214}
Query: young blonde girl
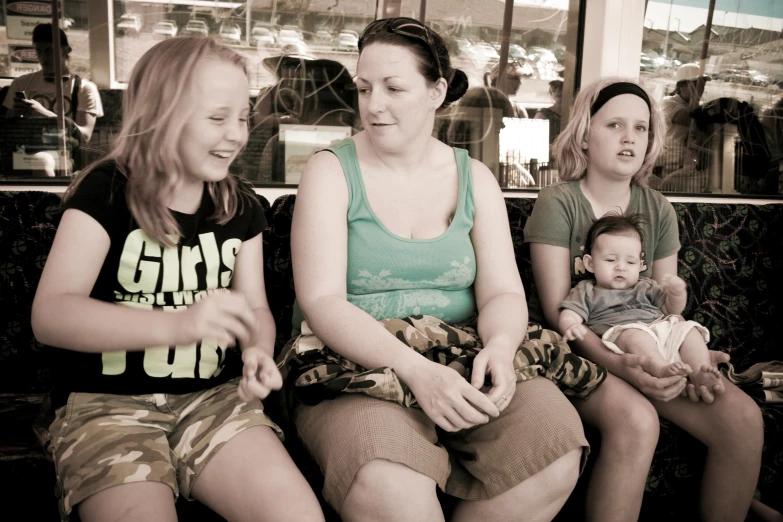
{"x": 605, "y": 155}
{"x": 154, "y": 281}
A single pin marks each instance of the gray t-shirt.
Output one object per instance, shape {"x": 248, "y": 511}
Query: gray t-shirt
{"x": 602, "y": 308}
{"x": 562, "y": 216}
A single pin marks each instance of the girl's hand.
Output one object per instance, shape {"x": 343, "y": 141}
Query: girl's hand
{"x": 702, "y": 393}
{"x": 222, "y": 316}
{"x": 575, "y": 331}
{"x": 498, "y": 363}
{"x": 259, "y": 375}
{"x": 658, "y": 388}
{"x": 447, "y": 398}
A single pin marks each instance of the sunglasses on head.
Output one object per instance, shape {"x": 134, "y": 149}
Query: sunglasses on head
{"x": 409, "y": 27}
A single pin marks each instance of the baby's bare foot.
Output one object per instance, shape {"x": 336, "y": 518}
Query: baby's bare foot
{"x": 710, "y": 377}
{"x": 673, "y": 369}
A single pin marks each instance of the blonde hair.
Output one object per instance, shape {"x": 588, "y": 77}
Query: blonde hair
{"x": 572, "y": 159}
{"x": 156, "y": 106}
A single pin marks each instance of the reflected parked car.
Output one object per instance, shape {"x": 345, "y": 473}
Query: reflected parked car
{"x": 165, "y": 29}
{"x": 464, "y": 47}
{"x": 758, "y": 78}
{"x": 288, "y": 37}
{"x": 348, "y": 41}
{"x": 647, "y": 64}
{"x": 545, "y": 62}
{"x": 262, "y": 36}
{"x": 517, "y": 52}
{"x": 484, "y": 52}
{"x": 196, "y": 28}
{"x": 735, "y": 76}
{"x": 323, "y": 37}
{"x": 230, "y": 33}
{"x": 129, "y": 24}
{"x": 299, "y": 50}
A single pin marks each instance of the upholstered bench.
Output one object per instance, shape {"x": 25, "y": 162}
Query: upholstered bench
{"x": 729, "y": 259}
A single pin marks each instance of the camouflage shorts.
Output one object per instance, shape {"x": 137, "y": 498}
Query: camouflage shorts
{"x": 99, "y": 440}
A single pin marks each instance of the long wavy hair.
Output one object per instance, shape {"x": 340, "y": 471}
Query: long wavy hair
{"x": 158, "y": 102}
{"x": 572, "y": 159}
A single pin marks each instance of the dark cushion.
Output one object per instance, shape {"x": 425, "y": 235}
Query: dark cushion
{"x": 28, "y": 221}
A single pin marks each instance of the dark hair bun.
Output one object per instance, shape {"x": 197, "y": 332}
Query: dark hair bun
{"x": 457, "y": 87}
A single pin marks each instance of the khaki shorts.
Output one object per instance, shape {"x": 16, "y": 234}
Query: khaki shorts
{"x": 99, "y": 440}
{"x": 538, "y": 427}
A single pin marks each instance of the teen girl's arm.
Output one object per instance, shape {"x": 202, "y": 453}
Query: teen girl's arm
{"x": 553, "y": 281}
{"x": 319, "y": 249}
{"x": 500, "y": 296}
{"x": 259, "y": 373}
{"x": 65, "y": 316}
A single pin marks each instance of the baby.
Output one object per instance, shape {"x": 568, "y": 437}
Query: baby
{"x": 634, "y": 314}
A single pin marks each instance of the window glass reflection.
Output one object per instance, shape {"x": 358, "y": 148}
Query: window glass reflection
{"x": 33, "y": 142}
{"x": 511, "y": 115}
{"x": 724, "y": 129}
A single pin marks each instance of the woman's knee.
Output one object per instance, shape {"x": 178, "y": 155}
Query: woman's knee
{"x": 550, "y": 486}
{"x": 395, "y": 483}
{"x": 564, "y": 473}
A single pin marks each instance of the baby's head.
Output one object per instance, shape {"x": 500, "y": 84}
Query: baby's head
{"x": 613, "y": 250}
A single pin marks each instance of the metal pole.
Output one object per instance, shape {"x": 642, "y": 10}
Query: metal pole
{"x": 503, "y": 63}
{"x": 706, "y": 44}
{"x": 696, "y": 99}
{"x": 247, "y": 21}
{"x": 59, "y": 106}
{"x": 422, "y": 10}
{"x": 666, "y": 41}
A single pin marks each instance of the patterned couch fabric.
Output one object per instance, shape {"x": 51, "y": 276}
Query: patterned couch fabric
{"x": 28, "y": 221}
{"x": 278, "y": 271}
{"x": 727, "y": 259}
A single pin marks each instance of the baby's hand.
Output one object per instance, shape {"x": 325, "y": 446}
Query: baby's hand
{"x": 259, "y": 375}
{"x": 674, "y": 285}
{"x": 575, "y": 331}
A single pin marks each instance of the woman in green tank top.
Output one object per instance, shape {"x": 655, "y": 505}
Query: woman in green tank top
{"x": 393, "y": 223}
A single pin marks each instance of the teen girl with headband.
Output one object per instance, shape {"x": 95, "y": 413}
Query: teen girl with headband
{"x": 605, "y": 156}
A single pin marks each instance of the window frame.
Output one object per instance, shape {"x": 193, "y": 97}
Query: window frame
{"x": 616, "y": 54}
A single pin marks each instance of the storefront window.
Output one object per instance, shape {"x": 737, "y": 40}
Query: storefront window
{"x": 511, "y": 114}
{"x": 302, "y": 55}
{"x": 32, "y": 139}
{"x": 725, "y": 132}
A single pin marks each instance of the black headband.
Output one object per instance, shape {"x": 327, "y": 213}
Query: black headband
{"x": 616, "y": 89}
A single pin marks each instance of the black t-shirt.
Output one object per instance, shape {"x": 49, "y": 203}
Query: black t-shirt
{"x": 139, "y": 272}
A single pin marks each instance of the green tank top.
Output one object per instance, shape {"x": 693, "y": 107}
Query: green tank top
{"x": 389, "y": 276}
